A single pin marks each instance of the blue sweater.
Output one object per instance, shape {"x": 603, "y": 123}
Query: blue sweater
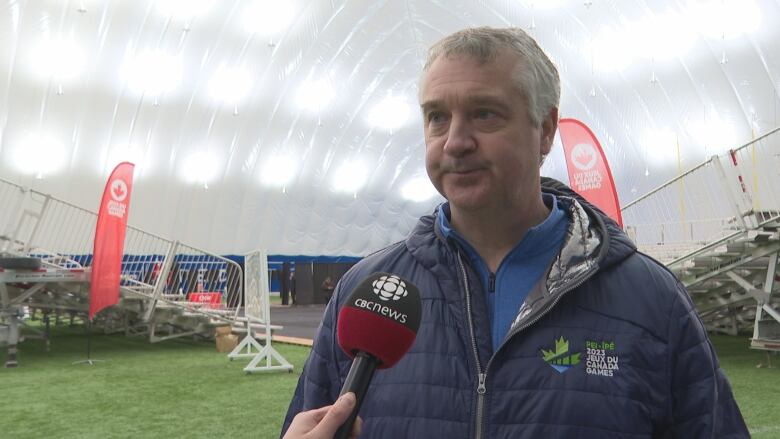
{"x": 506, "y": 289}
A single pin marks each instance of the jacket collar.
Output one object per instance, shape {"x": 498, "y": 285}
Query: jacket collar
{"x": 592, "y": 242}
{"x": 601, "y": 238}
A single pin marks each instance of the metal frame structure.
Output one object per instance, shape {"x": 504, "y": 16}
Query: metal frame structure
{"x": 157, "y": 274}
{"x": 258, "y": 314}
{"x": 717, "y": 227}
{"x": 17, "y": 289}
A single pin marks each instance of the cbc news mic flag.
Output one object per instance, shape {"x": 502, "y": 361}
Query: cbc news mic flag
{"x": 589, "y": 173}
{"x": 110, "y": 239}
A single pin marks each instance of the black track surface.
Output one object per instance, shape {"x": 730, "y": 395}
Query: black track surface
{"x": 299, "y": 321}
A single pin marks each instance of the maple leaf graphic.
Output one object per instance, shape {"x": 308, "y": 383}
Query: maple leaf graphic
{"x": 583, "y": 157}
{"x": 561, "y": 348}
{"x": 119, "y": 191}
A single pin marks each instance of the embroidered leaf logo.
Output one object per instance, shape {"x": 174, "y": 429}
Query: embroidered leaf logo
{"x": 561, "y": 347}
{"x": 559, "y": 358}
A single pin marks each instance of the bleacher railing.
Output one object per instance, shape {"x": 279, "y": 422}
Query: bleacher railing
{"x": 712, "y": 203}
{"x": 62, "y": 236}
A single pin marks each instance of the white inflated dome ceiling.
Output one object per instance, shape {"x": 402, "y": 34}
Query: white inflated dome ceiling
{"x": 294, "y": 125}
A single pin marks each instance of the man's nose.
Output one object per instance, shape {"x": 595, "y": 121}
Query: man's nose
{"x": 460, "y": 139}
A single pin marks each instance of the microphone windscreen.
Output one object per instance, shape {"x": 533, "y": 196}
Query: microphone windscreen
{"x": 381, "y": 317}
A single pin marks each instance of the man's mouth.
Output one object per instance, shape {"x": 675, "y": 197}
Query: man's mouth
{"x": 464, "y": 171}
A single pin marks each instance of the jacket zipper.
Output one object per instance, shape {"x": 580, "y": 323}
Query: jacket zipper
{"x": 482, "y": 375}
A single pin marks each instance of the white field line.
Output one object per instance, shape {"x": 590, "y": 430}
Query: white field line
{"x": 765, "y": 429}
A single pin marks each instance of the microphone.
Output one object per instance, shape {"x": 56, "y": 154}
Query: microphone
{"x": 376, "y": 326}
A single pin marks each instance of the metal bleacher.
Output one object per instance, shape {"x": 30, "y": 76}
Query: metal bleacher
{"x": 717, "y": 227}
{"x": 157, "y": 281}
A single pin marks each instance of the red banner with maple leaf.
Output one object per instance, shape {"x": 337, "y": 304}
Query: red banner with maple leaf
{"x": 110, "y": 239}
{"x": 589, "y": 173}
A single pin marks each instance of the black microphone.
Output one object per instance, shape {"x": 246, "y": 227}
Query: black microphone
{"x": 376, "y": 326}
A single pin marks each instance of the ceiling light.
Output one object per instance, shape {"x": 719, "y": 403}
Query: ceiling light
{"x": 662, "y": 37}
{"x": 391, "y": 113}
{"x": 419, "y": 189}
{"x": 316, "y": 94}
{"x": 350, "y": 177}
{"x": 230, "y": 85}
{"x": 661, "y": 148}
{"x": 268, "y": 16}
{"x": 724, "y": 18}
{"x": 716, "y": 134}
{"x": 200, "y": 167}
{"x": 278, "y": 171}
{"x": 658, "y": 37}
{"x": 153, "y": 72}
{"x": 61, "y": 59}
{"x": 185, "y": 9}
{"x": 39, "y": 155}
{"x": 612, "y": 50}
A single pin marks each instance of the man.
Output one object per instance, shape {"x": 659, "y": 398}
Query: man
{"x": 327, "y": 288}
{"x": 540, "y": 319}
{"x": 292, "y": 287}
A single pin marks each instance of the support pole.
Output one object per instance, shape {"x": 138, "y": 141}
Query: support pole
{"x": 89, "y": 361}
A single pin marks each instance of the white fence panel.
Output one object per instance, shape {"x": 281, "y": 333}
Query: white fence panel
{"x": 722, "y": 197}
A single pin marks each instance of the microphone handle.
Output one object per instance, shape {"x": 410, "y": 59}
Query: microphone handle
{"x": 358, "y": 379}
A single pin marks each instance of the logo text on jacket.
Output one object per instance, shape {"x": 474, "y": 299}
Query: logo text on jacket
{"x": 600, "y": 359}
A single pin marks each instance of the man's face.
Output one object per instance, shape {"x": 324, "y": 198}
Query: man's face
{"x": 482, "y": 150}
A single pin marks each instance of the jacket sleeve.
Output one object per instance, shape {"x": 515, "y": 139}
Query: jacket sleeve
{"x": 702, "y": 405}
{"x": 319, "y": 383}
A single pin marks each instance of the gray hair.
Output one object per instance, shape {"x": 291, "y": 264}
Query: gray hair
{"x": 536, "y": 76}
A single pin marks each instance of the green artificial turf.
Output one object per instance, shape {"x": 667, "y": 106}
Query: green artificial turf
{"x": 185, "y": 389}
{"x": 174, "y": 389}
{"x": 757, "y": 389}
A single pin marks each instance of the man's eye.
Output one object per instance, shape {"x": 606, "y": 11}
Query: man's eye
{"x": 484, "y": 114}
{"x": 435, "y": 116}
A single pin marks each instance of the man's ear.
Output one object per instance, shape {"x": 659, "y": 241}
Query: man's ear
{"x": 549, "y": 127}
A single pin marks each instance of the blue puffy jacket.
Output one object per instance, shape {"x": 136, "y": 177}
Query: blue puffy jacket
{"x": 607, "y": 346}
